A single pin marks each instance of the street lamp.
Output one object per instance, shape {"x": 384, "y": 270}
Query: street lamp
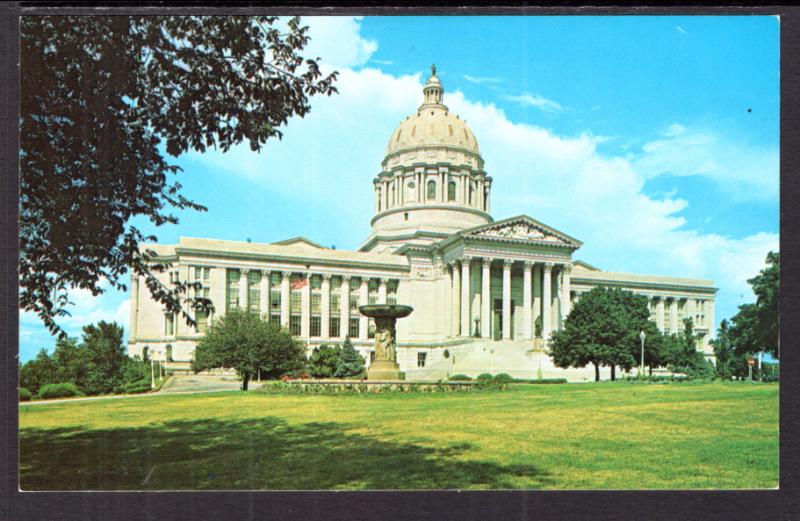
{"x": 641, "y": 367}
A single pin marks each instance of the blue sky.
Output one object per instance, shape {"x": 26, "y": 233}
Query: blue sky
{"x": 652, "y": 139}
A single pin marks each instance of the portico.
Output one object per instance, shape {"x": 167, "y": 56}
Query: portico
{"x": 520, "y": 260}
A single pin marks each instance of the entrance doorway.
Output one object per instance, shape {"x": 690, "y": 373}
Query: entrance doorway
{"x": 497, "y": 319}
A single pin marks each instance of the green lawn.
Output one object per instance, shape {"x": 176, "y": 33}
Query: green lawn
{"x": 586, "y": 436}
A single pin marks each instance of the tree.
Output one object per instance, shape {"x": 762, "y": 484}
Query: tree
{"x": 37, "y": 372}
{"x": 350, "y": 363}
{"x": 602, "y": 329}
{"x": 105, "y": 358}
{"x": 244, "y": 341}
{"x": 104, "y": 99}
{"x": 681, "y": 354}
{"x": 754, "y": 328}
{"x": 724, "y": 350}
{"x": 323, "y": 361}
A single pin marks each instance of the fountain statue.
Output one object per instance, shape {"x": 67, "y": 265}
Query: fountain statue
{"x": 385, "y": 366}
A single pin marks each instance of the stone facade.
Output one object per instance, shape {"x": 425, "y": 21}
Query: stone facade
{"x": 476, "y": 285}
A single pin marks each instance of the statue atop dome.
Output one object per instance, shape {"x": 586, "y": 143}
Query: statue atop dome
{"x": 433, "y": 69}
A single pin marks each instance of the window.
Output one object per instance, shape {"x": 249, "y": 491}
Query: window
{"x": 353, "y": 330}
{"x": 335, "y": 326}
{"x": 471, "y": 193}
{"x": 431, "y": 189}
{"x": 232, "y": 289}
{"x": 201, "y": 318}
{"x": 421, "y": 356}
{"x": 169, "y": 324}
{"x": 372, "y": 295}
{"x": 275, "y": 298}
{"x": 294, "y": 325}
{"x": 451, "y": 191}
{"x": 254, "y": 290}
{"x": 202, "y": 280}
{"x": 354, "y": 294}
{"x": 391, "y": 200}
{"x": 371, "y": 357}
{"x": 316, "y": 326}
{"x": 391, "y": 292}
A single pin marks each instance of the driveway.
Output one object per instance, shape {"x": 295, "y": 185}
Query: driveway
{"x": 196, "y": 384}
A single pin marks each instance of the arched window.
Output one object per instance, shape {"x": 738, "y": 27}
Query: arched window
{"x": 431, "y": 189}
{"x": 145, "y": 353}
{"x": 169, "y": 353}
{"x": 471, "y": 194}
{"x": 451, "y": 191}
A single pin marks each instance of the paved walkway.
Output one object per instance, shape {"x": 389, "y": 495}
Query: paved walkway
{"x": 175, "y": 385}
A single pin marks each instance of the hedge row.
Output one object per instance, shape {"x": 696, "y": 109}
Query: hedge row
{"x": 61, "y": 390}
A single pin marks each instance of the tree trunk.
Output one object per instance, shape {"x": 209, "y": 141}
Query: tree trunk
{"x": 613, "y": 372}
{"x": 245, "y": 380}
{"x": 596, "y": 372}
{"x": 651, "y": 370}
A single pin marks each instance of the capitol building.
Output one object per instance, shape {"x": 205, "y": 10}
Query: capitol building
{"x": 486, "y": 293}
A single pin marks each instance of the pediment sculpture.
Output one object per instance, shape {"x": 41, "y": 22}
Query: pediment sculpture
{"x": 522, "y": 231}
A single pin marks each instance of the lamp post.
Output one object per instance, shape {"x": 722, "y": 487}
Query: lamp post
{"x": 641, "y": 366}
{"x": 492, "y": 353}
{"x": 152, "y": 374}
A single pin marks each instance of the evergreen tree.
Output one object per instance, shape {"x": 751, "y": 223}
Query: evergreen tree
{"x": 324, "y": 360}
{"x": 350, "y": 363}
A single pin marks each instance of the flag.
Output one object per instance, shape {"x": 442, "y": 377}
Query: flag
{"x": 298, "y": 281}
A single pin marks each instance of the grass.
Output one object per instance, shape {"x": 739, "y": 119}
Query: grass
{"x": 589, "y": 436}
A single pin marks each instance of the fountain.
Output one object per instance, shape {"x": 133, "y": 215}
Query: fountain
{"x": 385, "y": 366}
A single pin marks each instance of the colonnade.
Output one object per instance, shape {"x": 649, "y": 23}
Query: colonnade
{"x": 305, "y": 300}
{"x": 390, "y": 189}
{"x": 537, "y": 296}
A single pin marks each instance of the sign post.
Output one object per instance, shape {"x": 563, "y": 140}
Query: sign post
{"x": 750, "y": 363}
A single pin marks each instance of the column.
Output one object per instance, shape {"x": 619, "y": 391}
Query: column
{"x": 382, "y": 290}
{"x": 442, "y": 188}
{"x": 243, "y": 288}
{"x": 488, "y": 208}
{"x": 419, "y": 175}
{"x": 325, "y": 330}
{"x": 537, "y": 295}
{"x": 133, "y": 325}
{"x": 673, "y": 315}
{"x": 286, "y": 295}
{"x": 377, "y": 199}
{"x": 363, "y": 300}
{"x": 455, "y": 326}
{"x": 660, "y": 313}
{"x": 486, "y": 298}
{"x": 466, "y": 319}
{"x": 344, "y": 307}
{"x": 507, "y": 299}
{"x": 547, "y": 286}
{"x": 565, "y": 292}
{"x": 710, "y": 317}
{"x": 305, "y": 307}
{"x": 527, "y": 320}
{"x": 263, "y": 305}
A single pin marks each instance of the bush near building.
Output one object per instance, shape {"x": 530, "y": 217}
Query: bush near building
{"x": 60, "y": 390}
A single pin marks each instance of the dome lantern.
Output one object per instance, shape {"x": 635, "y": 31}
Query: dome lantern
{"x": 433, "y": 91}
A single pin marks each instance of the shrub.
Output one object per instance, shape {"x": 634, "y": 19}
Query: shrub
{"x": 350, "y": 363}
{"x": 503, "y": 378}
{"x": 24, "y": 394}
{"x": 485, "y": 377}
{"x": 141, "y": 386}
{"x": 460, "y": 378}
{"x": 322, "y": 363}
{"x": 61, "y": 390}
{"x": 542, "y": 381}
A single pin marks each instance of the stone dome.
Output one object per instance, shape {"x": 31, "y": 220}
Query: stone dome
{"x": 432, "y": 125}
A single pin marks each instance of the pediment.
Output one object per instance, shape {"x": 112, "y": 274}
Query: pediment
{"x": 301, "y": 242}
{"x": 522, "y": 229}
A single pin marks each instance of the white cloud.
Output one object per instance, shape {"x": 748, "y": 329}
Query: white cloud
{"x": 535, "y": 101}
{"x": 482, "y": 79}
{"x": 338, "y": 41}
{"x": 742, "y": 170}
